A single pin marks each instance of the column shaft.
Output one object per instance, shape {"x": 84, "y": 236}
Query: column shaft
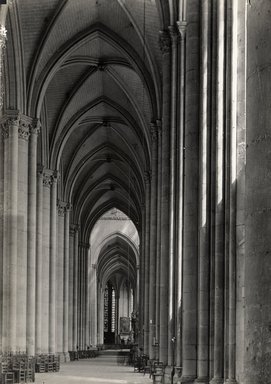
{"x": 172, "y": 199}
{"x": 66, "y": 282}
{"x": 153, "y": 243}
{"x": 10, "y": 234}
{"x": 219, "y": 200}
{"x": 22, "y": 232}
{"x": 147, "y": 261}
{"x": 257, "y": 292}
{"x": 190, "y": 210}
{"x": 52, "y": 269}
{"x": 71, "y": 287}
{"x": 60, "y": 280}
{"x": 180, "y": 191}
{"x": 158, "y": 234}
{"x": 204, "y": 249}
{"x": 39, "y": 256}
{"x": 31, "y": 239}
{"x": 47, "y": 181}
{"x": 164, "y": 262}
{"x": 75, "y": 292}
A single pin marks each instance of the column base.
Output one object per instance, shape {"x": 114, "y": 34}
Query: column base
{"x": 202, "y": 380}
{"x": 187, "y": 379}
{"x": 231, "y": 381}
{"x": 217, "y": 380}
{"x": 66, "y": 356}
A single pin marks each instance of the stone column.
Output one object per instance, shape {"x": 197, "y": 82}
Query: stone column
{"x": 180, "y": 189}
{"x": 61, "y": 206}
{"x": 10, "y": 129}
{"x": 190, "y": 208}
{"x": 219, "y": 201}
{"x": 3, "y": 39}
{"x": 39, "y": 256}
{"x": 233, "y": 54}
{"x": 87, "y": 296}
{"x": 204, "y": 182}
{"x": 141, "y": 281}
{"x": 75, "y": 290}
{"x": 52, "y": 266}
{"x": 71, "y": 286}
{"x": 158, "y": 244}
{"x": 47, "y": 182}
{"x": 66, "y": 283}
{"x": 1, "y": 228}
{"x": 147, "y": 177}
{"x": 165, "y": 45}
{"x": 257, "y": 292}
{"x": 241, "y": 185}
{"x": 22, "y": 186}
{"x": 31, "y": 238}
{"x": 93, "y": 304}
{"x": 153, "y": 243}
{"x": 172, "y": 198}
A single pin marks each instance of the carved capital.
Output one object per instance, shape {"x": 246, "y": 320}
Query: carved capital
{"x": 61, "y": 208}
{"x": 74, "y": 228}
{"x": 48, "y": 177}
{"x": 35, "y": 127}
{"x": 164, "y": 42}
{"x": 182, "y": 26}
{"x": 23, "y": 132}
{"x": 3, "y": 37}
{"x": 154, "y": 132}
{"x": 10, "y": 121}
{"x": 174, "y": 35}
{"x": 147, "y": 176}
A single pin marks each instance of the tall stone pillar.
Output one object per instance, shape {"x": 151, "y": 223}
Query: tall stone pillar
{"x": 39, "y": 257}
{"x": 61, "y": 205}
{"x": 190, "y": 207}
{"x": 45, "y": 235}
{"x": 219, "y": 202}
{"x": 204, "y": 182}
{"x": 10, "y": 128}
{"x": 182, "y": 25}
{"x": 66, "y": 283}
{"x": 141, "y": 281}
{"x": 75, "y": 289}
{"x": 52, "y": 266}
{"x": 1, "y": 228}
{"x": 93, "y": 304}
{"x": 172, "y": 198}
{"x": 147, "y": 177}
{"x": 87, "y": 296}
{"x": 165, "y": 45}
{"x": 22, "y": 186}
{"x": 31, "y": 238}
{"x": 158, "y": 234}
{"x": 153, "y": 244}
{"x": 71, "y": 285}
{"x": 257, "y": 332}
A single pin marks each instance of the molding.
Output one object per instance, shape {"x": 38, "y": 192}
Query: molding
{"x": 164, "y": 42}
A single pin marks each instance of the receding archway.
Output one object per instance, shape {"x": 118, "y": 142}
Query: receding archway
{"x": 114, "y": 244}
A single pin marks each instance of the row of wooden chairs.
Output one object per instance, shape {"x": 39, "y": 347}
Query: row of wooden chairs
{"x": 155, "y": 368}
{"x": 86, "y": 354}
{"x": 47, "y": 363}
{"x": 16, "y": 369}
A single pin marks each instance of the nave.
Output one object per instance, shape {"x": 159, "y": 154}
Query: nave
{"x": 106, "y": 368}
{"x": 135, "y": 179}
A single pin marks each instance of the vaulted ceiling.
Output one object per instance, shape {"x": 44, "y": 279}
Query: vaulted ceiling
{"x": 91, "y": 71}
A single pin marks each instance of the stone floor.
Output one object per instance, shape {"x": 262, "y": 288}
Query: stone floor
{"x": 104, "y": 369}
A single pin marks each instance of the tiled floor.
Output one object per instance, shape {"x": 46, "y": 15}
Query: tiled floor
{"x": 105, "y": 369}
